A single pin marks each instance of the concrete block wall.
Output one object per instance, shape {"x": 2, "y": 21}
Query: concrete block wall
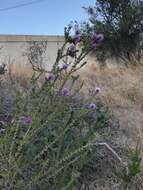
{"x": 13, "y": 47}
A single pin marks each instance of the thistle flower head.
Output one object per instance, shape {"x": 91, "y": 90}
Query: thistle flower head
{"x": 77, "y": 37}
{"x": 71, "y": 50}
{"x": 96, "y": 39}
{"x": 97, "y": 89}
{"x": 50, "y": 77}
{"x": 65, "y": 66}
{"x": 27, "y": 120}
{"x": 92, "y": 106}
{"x": 65, "y": 91}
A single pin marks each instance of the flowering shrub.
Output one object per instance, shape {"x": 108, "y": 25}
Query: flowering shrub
{"x": 51, "y": 137}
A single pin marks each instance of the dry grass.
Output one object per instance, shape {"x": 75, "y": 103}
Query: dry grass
{"x": 122, "y": 91}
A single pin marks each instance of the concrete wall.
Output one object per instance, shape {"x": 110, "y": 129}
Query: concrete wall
{"x": 13, "y": 48}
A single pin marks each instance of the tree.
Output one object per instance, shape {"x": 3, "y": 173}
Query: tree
{"x": 121, "y": 22}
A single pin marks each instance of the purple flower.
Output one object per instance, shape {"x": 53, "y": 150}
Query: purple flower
{"x": 96, "y": 39}
{"x": 77, "y": 37}
{"x": 27, "y": 120}
{"x": 65, "y": 66}
{"x": 97, "y": 89}
{"x": 50, "y": 77}
{"x": 92, "y": 106}
{"x": 71, "y": 50}
{"x": 65, "y": 92}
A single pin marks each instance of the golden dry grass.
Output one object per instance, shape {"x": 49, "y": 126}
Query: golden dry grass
{"x": 122, "y": 91}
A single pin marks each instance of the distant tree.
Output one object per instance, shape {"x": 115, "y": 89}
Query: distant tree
{"x": 121, "y": 22}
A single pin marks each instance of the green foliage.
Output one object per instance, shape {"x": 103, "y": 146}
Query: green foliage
{"x": 49, "y": 139}
{"x": 132, "y": 169}
{"x": 121, "y": 22}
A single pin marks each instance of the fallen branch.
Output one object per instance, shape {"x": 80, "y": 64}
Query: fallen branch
{"x": 113, "y": 152}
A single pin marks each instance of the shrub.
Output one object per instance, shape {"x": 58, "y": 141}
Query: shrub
{"x": 121, "y": 21}
{"x": 132, "y": 169}
{"x": 35, "y": 52}
{"x": 51, "y": 136}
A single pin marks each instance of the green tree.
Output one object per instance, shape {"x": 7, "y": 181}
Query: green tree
{"x": 121, "y": 22}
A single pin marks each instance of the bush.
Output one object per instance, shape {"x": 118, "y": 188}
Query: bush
{"x": 132, "y": 169}
{"x": 122, "y": 23}
{"x": 51, "y": 135}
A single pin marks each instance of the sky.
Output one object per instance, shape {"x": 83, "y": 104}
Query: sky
{"x": 46, "y": 17}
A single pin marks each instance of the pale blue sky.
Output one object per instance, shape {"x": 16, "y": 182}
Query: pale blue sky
{"x": 47, "y": 17}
